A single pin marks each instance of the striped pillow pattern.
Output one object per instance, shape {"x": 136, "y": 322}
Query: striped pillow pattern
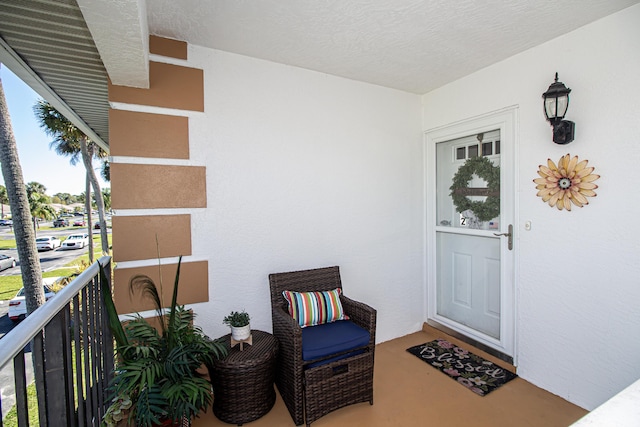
{"x": 315, "y": 308}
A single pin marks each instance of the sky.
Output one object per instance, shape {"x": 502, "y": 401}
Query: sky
{"x": 39, "y": 162}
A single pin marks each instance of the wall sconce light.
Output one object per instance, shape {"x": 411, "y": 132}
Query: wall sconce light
{"x": 556, "y": 102}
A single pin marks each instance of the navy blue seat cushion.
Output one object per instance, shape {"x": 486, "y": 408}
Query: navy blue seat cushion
{"x": 331, "y": 338}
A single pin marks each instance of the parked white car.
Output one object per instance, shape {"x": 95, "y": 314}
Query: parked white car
{"x": 48, "y": 243}
{"x": 7, "y": 261}
{"x": 76, "y": 241}
{"x": 18, "y": 307}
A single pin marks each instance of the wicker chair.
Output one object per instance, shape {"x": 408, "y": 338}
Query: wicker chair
{"x": 313, "y": 388}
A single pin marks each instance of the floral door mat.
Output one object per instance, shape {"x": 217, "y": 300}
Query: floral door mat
{"x": 472, "y": 371}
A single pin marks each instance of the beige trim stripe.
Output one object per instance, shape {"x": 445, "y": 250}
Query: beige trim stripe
{"x": 135, "y": 186}
{"x": 170, "y": 86}
{"x": 194, "y": 285}
{"x": 137, "y": 134}
{"x": 167, "y": 47}
{"x": 134, "y": 237}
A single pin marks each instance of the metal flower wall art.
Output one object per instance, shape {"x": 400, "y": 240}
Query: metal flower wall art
{"x": 568, "y": 183}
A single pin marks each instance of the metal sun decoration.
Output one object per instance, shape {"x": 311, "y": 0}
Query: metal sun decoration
{"x": 569, "y": 182}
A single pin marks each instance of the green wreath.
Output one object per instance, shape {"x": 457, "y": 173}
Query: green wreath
{"x": 482, "y": 167}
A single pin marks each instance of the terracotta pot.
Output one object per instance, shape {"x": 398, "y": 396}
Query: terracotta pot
{"x": 169, "y": 423}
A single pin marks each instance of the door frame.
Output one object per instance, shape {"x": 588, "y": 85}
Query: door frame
{"x": 507, "y": 121}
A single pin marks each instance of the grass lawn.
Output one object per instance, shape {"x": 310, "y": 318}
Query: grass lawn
{"x": 7, "y": 243}
{"x": 11, "y": 420}
{"x": 10, "y": 285}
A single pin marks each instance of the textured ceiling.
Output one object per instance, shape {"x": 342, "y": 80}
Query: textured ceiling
{"x": 411, "y": 45}
{"x": 64, "y": 49}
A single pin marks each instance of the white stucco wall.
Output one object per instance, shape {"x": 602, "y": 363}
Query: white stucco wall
{"x": 577, "y": 283}
{"x": 306, "y": 170}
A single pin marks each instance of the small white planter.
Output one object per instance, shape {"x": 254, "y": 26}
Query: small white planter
{"x": 240, "y": 333}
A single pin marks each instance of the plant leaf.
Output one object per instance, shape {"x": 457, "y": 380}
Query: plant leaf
{"x": 112, "y": 313}
{"x": 174, "y": 301}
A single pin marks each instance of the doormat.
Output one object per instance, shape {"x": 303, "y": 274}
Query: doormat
{"x": 472, "y": 371}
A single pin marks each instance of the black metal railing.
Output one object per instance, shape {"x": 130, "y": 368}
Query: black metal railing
{"x": 71, "y": 353}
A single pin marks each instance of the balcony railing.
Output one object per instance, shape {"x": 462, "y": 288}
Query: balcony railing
{"x": 72, "y": 355}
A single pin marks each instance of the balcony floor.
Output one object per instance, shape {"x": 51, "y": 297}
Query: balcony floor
{"x": 408, "y": 392}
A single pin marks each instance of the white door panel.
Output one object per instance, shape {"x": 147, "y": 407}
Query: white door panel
{"x": 470, "y": 268}
{"x": 469, "y": 281}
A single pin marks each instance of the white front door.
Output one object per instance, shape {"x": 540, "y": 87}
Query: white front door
{"x": 469, "y": 233}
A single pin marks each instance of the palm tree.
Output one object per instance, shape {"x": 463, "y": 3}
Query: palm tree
{"x": 4, "y": 199}
{"x": 39, "y": 202}
{"x": 36, "y": 187}
{"x": 71, "y": 141}
{"x": 43, "y": 211}
{"x": 19, "y": 202}
{"x": 106, "y": 196}
{"x": 106, "y": 170}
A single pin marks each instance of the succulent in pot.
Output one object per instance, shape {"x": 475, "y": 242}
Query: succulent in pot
{"x": 158, "y": 363}
{"x": 239, "y": 323}
{"x": 117, "y": 411}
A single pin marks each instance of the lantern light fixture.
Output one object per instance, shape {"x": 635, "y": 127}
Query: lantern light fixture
{"x": 556, "y": 102}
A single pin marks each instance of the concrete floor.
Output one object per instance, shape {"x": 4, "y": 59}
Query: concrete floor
{"x": 409, "y": 392}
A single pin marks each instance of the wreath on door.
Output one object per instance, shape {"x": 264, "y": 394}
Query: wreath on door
{"x": 483, "y": 168}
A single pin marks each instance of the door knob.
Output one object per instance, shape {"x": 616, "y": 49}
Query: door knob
{"x": 509, "y": 235}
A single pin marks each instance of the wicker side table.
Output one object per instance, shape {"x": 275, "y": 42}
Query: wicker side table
{"x": 243, "y": 381}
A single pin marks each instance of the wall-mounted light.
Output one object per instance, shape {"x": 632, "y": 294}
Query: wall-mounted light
{"x": 556, "y": 102}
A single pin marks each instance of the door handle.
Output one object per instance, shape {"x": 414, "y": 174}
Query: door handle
{"x": 509, "y": 235}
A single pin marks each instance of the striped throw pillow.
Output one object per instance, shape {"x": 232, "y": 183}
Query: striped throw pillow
{"x": 315, "y": 308}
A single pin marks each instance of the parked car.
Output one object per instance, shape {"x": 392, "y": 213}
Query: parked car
{"x": 78, "y": 214}
{"x": 75, "y": 241}
{"x": 18, "y": 306}
{"x": 48, "y": 243}
{"x": 60, "y": 222}
{"x": 6, "y": 222}
{"x": 6, "y": 261}
{"x": 79, "y": 223}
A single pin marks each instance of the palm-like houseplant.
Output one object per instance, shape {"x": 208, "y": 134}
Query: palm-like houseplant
{"x": 157, "y": 368}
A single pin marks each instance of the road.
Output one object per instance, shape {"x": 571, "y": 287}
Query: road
{"x": 5, "y": 324}
{"x": 49, "y": 260}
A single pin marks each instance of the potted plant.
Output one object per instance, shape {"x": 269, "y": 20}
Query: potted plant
{"x": 117, "y": 410}
{"x": 239, "y": 323}
{"x": 157, "y": 364}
